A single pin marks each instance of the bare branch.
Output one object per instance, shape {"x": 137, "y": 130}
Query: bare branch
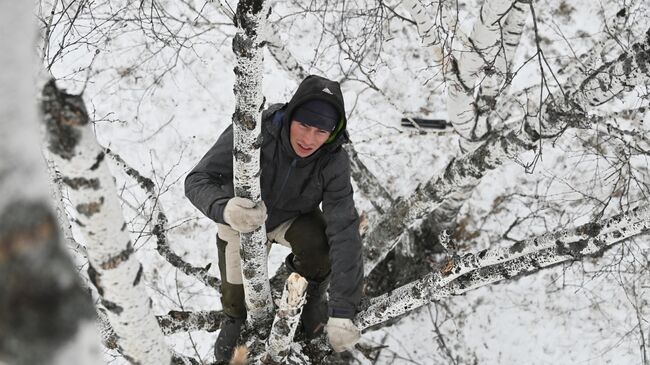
{"x": 475, "y": 270}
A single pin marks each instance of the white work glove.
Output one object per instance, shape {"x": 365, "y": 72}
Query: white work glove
{"x": 243, "y": 215}
{"x": 342, "y": 334}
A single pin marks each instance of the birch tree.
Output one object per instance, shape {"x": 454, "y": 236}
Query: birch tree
{"x": 45, "y": 314}
{"x": 497, "y": 129}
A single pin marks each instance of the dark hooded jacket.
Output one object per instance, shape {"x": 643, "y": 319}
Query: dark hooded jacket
{"x": 292, "y": 186}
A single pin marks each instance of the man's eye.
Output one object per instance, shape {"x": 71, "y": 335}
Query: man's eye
{"x": 322, "y": 131}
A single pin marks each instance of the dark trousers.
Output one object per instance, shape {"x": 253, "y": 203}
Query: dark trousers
{"x": 309, "y": 246}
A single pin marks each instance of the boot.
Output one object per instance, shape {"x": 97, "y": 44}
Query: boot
{"x": 314, "y": 313}
{"x": 227, "y": 339}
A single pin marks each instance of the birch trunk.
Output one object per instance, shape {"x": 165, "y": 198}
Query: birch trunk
{"x": 113, "y": 269}
{"x": 45, "y": 314}
{"x": 248, "y": 47}
{"x": 444, "y": 216}
{"x": 613, "y": 78}
{"x": 475, "y": 270}
{"x": 286, "y": 319}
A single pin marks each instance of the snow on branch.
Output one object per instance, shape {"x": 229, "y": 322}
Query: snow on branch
{"x": 159, "y": 227}
{"x": 462, "y": 173}
{"x": 492, "y": 265}
{"x": 485, "y": 40}
{"x": 427, "y": 27}
{"x": 184, "y": 321}
{"x": 286, "y": 319}
{"x": 113, "y": 268}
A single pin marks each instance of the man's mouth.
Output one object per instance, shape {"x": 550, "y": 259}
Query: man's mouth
{"x": 303, "y": 147}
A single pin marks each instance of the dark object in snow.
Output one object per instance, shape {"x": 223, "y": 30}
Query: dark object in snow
{"x": 425, "y": 123}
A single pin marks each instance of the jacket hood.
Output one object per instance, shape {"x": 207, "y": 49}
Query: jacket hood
{"x": 320, "y": 88}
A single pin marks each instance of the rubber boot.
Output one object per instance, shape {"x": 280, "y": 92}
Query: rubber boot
{"x": 314, "y": 313}
{"x": 227, "y": 339}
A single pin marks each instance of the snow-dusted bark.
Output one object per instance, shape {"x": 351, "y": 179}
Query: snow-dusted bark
{"x": 511, "y": 37}
{"x": 46, "y": 317}
{"x": 56, "y": 191}
{"x": 485, "y": 40}
{"x": 460, "y": 95}
{"x": 279, "y": 51}
{"x": 248, "y": 47}
{"x": 494, "y": 81}
{"x": 184, "y": 321}
{"x": 159, "y": 227}
{"x": 113, "y": 268}
{"x": 286, "y": 319}
{"x": 467, "y": 59}
{"x": 475, "y": 270}
{"x": 428, "y": 29}
{"x": 613, "y": 78}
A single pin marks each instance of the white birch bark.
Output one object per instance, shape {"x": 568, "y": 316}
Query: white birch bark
{"x": 158, "y": 225}
{"x": 460, "y": 98}
{"x": 444, "y": 216}
{"x": 485, "y": 39}
{"x": 610, "y": 79}
{"x": 475, "y": 270}
{"x": 45, "y": 314}
{"x": 248, "y": 47}
{"x": 512, "y": 31}
{"x": 467, "y": 59}
{"x": 286, "y": 319}
{"x": 428, "y": 29}
{"x": 113, "y": 268}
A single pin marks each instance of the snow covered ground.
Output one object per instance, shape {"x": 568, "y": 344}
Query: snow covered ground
{"x": 161, "y": 102}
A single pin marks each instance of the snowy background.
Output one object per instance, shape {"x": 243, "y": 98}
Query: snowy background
{"x": 157, "y": 79}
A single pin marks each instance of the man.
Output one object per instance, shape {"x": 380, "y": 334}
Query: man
{"x": 303, "y": 165}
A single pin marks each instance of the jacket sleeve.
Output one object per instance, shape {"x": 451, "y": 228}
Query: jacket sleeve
{"x": 343, "y": 233}
{"x": 209, "y": 185}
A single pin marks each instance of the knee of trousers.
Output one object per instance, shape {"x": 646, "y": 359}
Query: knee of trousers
{"x": 232, "y": 294}
{"x": 309, "y": 245}
{"x": 229, "y": 257}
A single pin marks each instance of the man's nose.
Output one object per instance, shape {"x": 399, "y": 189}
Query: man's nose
{"x": 311, "y": 137}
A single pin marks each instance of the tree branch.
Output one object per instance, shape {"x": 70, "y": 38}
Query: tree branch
{"x": 475, "y": 270}
{"x": 159, "y": 227}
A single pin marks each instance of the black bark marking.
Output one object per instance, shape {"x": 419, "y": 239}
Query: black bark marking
{"x": 241, "y": 156}
{"x": 92, "y": 208}
{"x": 138, "y": 276}
{"x": 112, "y": 307}
{"x": 94, "y": 277}
{"x": 517, "y": 247}
{"x": 116, "y": 260}
{"x": 590, "y": 229}
{"x": 78, "y": 183}
{"x": 63, "y": 115}
{"x": 98, "y": 161}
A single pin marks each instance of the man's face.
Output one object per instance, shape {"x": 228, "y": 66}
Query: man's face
{"x": 306, "y": 139}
